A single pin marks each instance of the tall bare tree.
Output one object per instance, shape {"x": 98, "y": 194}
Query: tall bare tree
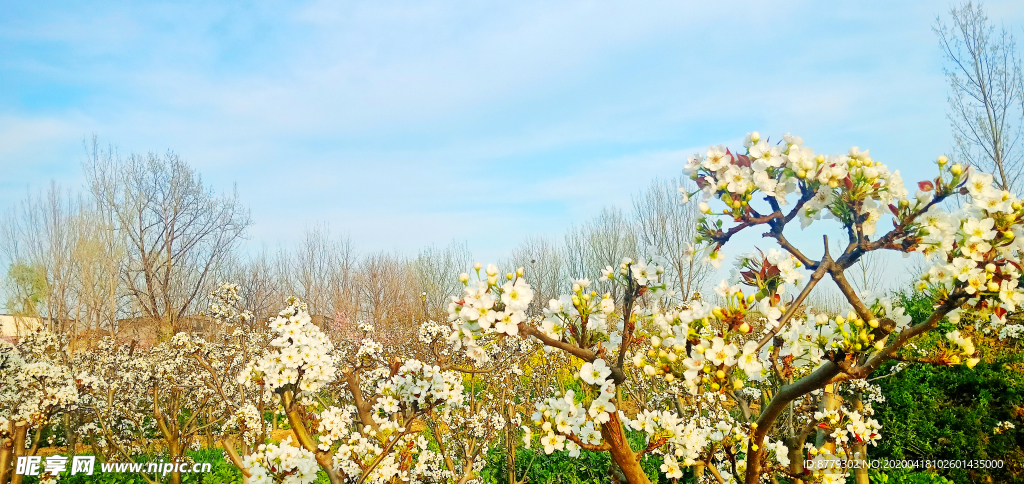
{"x": 387, "y": 294}
{"x": 541, "y": 258}
{"x": 434, "y": 270}
{"x": 986, "y": 99}
{"x": 316, "y": 259}
{"x": 603, "y": 241}
{"x": 667, "y": 227}
{"x": 260, "y": 291}
{"x": 99, "y": 253}
{"x": 176, "y": 229}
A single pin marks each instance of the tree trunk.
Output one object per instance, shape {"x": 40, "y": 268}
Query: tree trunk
{"x": 860, "y": 451}
{"x": 18, "y": 448}
{"x": 6, "y": 459}
{"x": 795, "y": 446}
{"x": 828, "y": 402}
{"x": 69, "y": 435}
{"x": 622, "y": 454}
{"x": 237, "y": 460}
{"x": 174, "y": 448}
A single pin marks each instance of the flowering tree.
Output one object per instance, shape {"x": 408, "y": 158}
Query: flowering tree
{"x": 38, "y": 383}
{"x": 743, "y": 385}
{"x": 375, "y": 439}
{"x": 761, "y": 349}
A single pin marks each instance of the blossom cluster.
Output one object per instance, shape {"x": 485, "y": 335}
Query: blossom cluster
{"x": 976, "y": 248}
{"x": 849, "y": 427}
{"x": 285, "y": 464}
{"x": 223, "y": 306}
{"x": 1003, "y": 426}
{"x": 835, "y": 182}
{"x": 487, "y": 307}
{"x": 249, "y": 423}
{"x": 301, "y": 355}
{"x": 583, "y": 310}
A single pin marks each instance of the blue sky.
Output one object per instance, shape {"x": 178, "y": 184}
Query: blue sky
{"x": 416, "y": 123}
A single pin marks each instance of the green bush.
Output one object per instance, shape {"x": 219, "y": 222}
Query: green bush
{"x": 949, "y": 413}
{"x": 907, "y": 477}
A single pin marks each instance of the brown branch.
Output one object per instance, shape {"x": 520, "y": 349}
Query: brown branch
{"x": 654, "y": 444}
{"x": 229, "y": 448}
{"x": 823, "y": 266}
{"x": 603, "y": 446}
{"x": 714, "y": 470}
{"x": 886, "y": 353}
{"x": 581, "y": 353}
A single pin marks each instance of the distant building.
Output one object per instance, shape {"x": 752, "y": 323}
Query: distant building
{"x": 14, "y": 327}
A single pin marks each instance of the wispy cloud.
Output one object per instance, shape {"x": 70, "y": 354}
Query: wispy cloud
{"x": 410, "y": 123}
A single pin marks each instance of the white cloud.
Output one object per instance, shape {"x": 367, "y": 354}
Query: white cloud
{"x": 400, "y": 121}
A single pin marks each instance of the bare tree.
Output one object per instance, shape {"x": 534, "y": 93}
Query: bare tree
{"x": 603, "y": 241}
{"x": 259, "y": 289}
{"x": 542, "y": 260}
{"x": 986, "y": 106}
{"x": 99, "y": 253}
{"x": 176, "y": 230}
{"x": 344, "y": 284}
{"x": 387, "y": 295}
{"x": 435, "y": 270}
{"x": 315, "y": 261}
{"x": 667, "y": 227}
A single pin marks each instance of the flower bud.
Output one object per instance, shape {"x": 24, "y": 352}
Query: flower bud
{"x": 956, "y": 169}
{"x": 720, "y": 374}
{"x": 879, "y": 344}
{"x": 993, "y": 286}
{"x": 520, "y": 271}
{"x": 715, "y": 386}
{"x": 699, "y": 349}
{"x": 744, "y": 328}
{"x": 477, "y": 266}
{"x": 737, "y": 384}
{"x": 943, "y": 160}
{"x": 463, "y": 278}
{"x": 672, "y": 357}
{"x": 669, "y": 377}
